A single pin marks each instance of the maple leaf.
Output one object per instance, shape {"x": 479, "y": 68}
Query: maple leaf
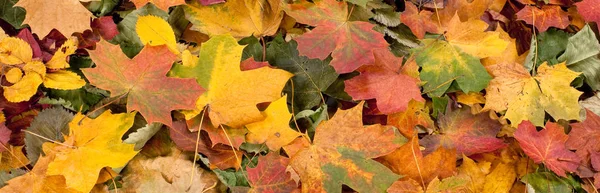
{"x": 143, "y": 79}
{"x": 472, "y": 38}
{"x": 270, "y": 175}
{"x": 162, "y": 4}
{"x": 465, "y": 9}
{"x": 349, "y": 42}
{"x": 333, "y": 159}
{"x": 547, "y": 146}
{"x": 38, "y": 181}
{"x": 408, "y": 160}
{"x": 482, "y": 177}
{"x": 94, "y": 144}
{"x": 389, "y": 82}
{"x": 584, "y": 139}
{"x": 67, "y": 16}
{"x": 418, "y": 22}
{"x": 311, "y": 76}
{"x": 467, "y": 133}
{"x": 155, "y": 31}
{"x": 275, "y": 130}
{"x": 232, "y": 94}
{"x": 526, "y": 98}
{"x": 240, "y": 18}
{"x": 220, "y": 156}
{"x": 544, "y": 18}
{"x": 443, "y": 64}
{"x": 416, "y": 114}
{"x": 589, "y": 10}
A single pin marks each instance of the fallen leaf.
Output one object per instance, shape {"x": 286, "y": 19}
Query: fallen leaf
{"x": 94, "y": 144}
{"x": 12, "y": 157}
{"x": 472, "y": 38}
{"x": 467, "y": 133}
{"x": 409, "y": 162}
{"x": 548, "y": 147}
{"x": 275, "y": 129}
{"x": 387, "y": 81}
{"x": 444, "y": 63}
{"x": 37, "y": 180}
{"x": 419, "y": 22}
{"x": 524, "y": 97}
{"x": 143, "y": 79}
{"x": 589, "y": 10}
{"x": 331, "y": 154}
{"x": 349, "y": 42}
{"x": 173, "y": 173}
{"x": 67, "y": 16}
{"x": 270, "y": 175}
{"x": 416, "y": 114}
{"x": 582, "y": 139}
{"x": 221, "y": 156}
{"x": 311, "y": 76}
{"x": 50, "y": 123}
{"x": 231, "y": 100}
{"x": 155, "y": 31}
{"x": 241, "y": 18}
{"x": 544, "y": 18}
{"x": 465, "y": 9}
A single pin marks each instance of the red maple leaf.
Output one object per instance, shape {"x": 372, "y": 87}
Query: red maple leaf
{"x": 270, "y": 175}
{"x": 547, "y": 146}
{"x": 469, "y": 134}
{"x": 589, "y": 10}
{"x": 542, "y": 19}
{"x": 143, "y": 80}
{"x": 387, "y": 81}
{"x": 349, "y": 42}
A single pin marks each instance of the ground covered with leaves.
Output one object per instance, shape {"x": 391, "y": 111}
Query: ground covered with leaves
{"x": 415, "y": 96}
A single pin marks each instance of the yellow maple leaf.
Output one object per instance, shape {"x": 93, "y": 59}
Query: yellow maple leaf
{"x": 231, "y": 94}
{"x": 67, "y": 16}
{"x": 96, "y": 143}
{"x": 471, "y": 38}
{"x": 483, "y": 176}
{"x": 37, "y": 181}
{"x": 156, "y": 31}
{"x": 241, "y": 18}
{"x": 509, "y": 55}
{"x": 526, "y": 98}
{"x": 275, "y": 129}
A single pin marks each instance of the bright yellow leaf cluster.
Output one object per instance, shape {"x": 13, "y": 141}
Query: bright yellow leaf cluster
{"x": 27, "y": 74}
